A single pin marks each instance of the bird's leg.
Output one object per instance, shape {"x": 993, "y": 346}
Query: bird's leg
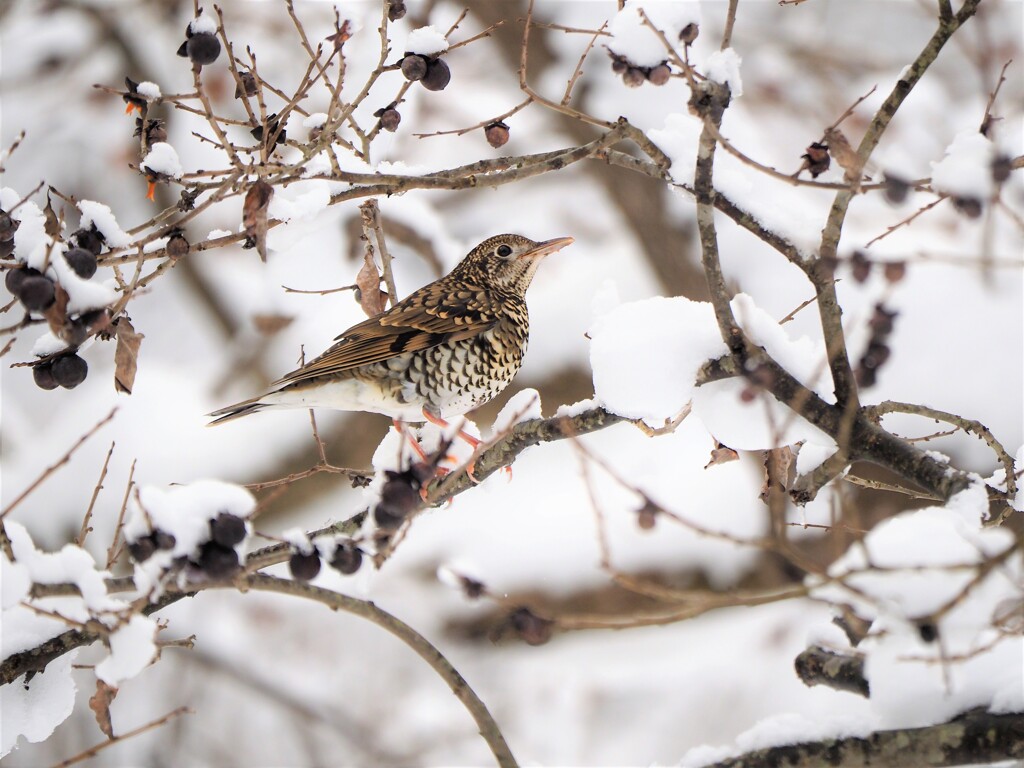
{"x": 412, "y": 440}
{"x": 438, "y": 421}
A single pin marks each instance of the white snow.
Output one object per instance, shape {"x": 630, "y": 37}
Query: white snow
{"x": 162, "y": 158}
{"x": 522, "y": 406}
{"x": 298, "y": 540}
{"x": 101, "y": 215}
{"x": 636, "y": 42}
{"x": 966, "y": 169}
{"x": 217, "y": 233}
{"x": 203, "y": 24}
{"x": 724, "y": 67}
{"x": 301, "y": 201}
{"x": 31, "y": 243}
{"x": 580, "y": 406}
{"x": 83, "y": 294}
{"x": 426, "y": 41}
{"x": 150, "y": 90}
{"x": 35, "y": 709}
{"x": 315, "y": 120}
{"x": 48, "y": 344}
{"x": 132, "y": 648}
{"x": 645, "y": 355}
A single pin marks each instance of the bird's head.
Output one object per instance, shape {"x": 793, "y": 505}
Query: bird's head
{"x": 507, "y": 262}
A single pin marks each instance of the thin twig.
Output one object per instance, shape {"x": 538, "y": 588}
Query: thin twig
{"x": 92, "y": 751}
{"x": 85, "y": 529}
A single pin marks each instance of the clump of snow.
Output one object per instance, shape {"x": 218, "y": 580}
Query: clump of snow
{"x": 203, "y": 24}
{"x": 155, "y": 245}
{"x": 132, "y": 649}
{"x": 100, "y": 215}
{"x": 923, "y": 566}
{"x": 724, "y": 67}
{"x": 426, "y": 41}
{"x": 35, "y": 709}
{"x": 305, "y": 199}
{"x": 299, "y": 540}
{"x": 31, "y": 243}
{"x": 679, "y": 140}
{"x": 218, "y": 233}
{"x": 966, "y": 169}
{"x": 48, "y": 344}
{"x": 522, "y": 406}
{"x": 645, "y": 355}
{"x": 575, "y": 409}
{"x": 315, "y": 120}
{"x": 150, "y": 90}
{"x": 632, "y": 39}
{"x": 162, "y": 158}
{"x": 83, "y": 294}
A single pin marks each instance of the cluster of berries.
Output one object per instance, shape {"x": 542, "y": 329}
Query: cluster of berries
{"x": 346, "y": 558}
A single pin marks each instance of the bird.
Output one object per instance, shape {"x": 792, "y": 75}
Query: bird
{"x": 445, "y": 349}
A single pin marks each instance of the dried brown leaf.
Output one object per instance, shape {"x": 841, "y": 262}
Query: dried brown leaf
{"x": 371, "y": 298}
{"x": 269, "y": 324}
{"x": 51, "y": 224}
{"x": 254, "y": 215}
{"x": 777, "y": 463}
{"x": 99, "y": 703}
{"x": 721, "y": 454}
{"x": 126, "y": 356}
{"x": 840, "y": 149}
{"x": 57, "y": 313}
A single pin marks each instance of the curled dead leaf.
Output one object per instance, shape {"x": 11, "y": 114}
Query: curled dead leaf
{"x": 254, "y": 215}
{"x": 371, "y": 298}
{"x": 99, "y": 703}
{"x": 126, "y": 355}
{"x": 721, "y": 454}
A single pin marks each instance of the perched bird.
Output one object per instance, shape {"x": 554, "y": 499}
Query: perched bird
{"x": 442, "y": 351}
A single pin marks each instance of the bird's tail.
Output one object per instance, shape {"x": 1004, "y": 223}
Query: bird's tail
{"x": 237, "y": 411}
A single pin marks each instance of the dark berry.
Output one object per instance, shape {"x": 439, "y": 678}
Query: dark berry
{"x": 861, "y": 266}
{"x": 6, "y": 248}
{"x": 177, "y": 245}
{"x": 304, "y": 567}
{"x": 227, "y": 529}
{"x": 347, "y": 558}
{"x": 633, "y": 77}
{"x": 70, "y": 370}
{"x": 896, "y": 189}
{"x": 164, "y": 540}
{"x": 865, "y": 377}
{"x": 89, "y": 239}
{"x": 83, "y": 262}
{"x": 396, "y": 10}
{"x": 438, "y": 76}
{"x": 74, "y": 332}
{"x": 203, "y": 48}
{"x": 497, "y": 134}
{"x": 142, "y": 549}
{"x": 881, "y": 321}
{"x": 8, "y": 226}
{"x": 689, "y": 33}
{"x": 246, "y": 85}
{"x": 389, "y": 119}
{"x": 15, "y": 277}
{"x": 647, "y": 516}
{"x": 1001, "y": 168}
{"x": 216, "y": 560}
{"x": 619, "y": 65}
{"x": 414, "y": 67}
{"x": 533, "y": 629}
{"x": 36, "y": 293}
{"x": 875, "y": 356}
{"x": 659, "y": 75}
{"x": 928, "y": 631}
{"x": 968, "y": 206}
{"x": 895, "y": 271}
{"x": 43, "y": 375}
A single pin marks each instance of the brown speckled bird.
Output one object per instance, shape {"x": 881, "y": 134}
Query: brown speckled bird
{"x": 442, "y": 351}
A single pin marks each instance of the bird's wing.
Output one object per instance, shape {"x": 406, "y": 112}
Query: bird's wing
{"x": 425, "y": 319}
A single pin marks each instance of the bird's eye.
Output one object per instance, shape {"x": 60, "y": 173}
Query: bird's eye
{"x": 504, "y": 251}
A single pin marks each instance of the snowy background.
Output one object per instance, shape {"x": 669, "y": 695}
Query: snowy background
{"x": 277, "y": 682}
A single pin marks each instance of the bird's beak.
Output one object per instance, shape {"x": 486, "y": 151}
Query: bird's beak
{"x": 548, "y": 246}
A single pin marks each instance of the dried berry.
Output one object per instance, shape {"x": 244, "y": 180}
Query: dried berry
{"x": 414, "y": 66}
{"x": 177, "y": 245}
{"x": 70, "y": 370}
{"x": 633, "y": 77}
{"x": 861, "y": 266}
{"x": 865, "y": 377}
{"x": 389, "y": 119}
{"x": 347, "y": 558}
{"x": 83, "y": 262}
{"x": 74, "y": 332}
{"x": 227, "y": 529}
{"x": 217, "y": 561}
{"x": 647, "y": 516}
{"x": 36, "y": 292}
{"x": 659, "y": 75}
{"x": 273, "y": 130}
{"x": 164, "y": 540}
{"x": 202, "y": 48}
{"x": 142, "y": 549}
{"x": 1002, "y": 166}
{"x": 90, "y": 239}
{"x": 396, "y": 10}
{"x": 895, "y": 271}
{"x": 881, "y": 322}
{"x": 246, "y": 85}
{"x": 968, "y": 206}
{"x": 875, "y": 356}
{"x": 748, "y": 394}
{"x": 6, "y": 248}
{"x": 619, "y": 65}
{"x": 533, "y": 629}
{"x": 8, "y": 226}
{"x": 896, "y": 189}
{"x": 497, "y": 134}
{"x": 438, "y": 75}
{"x": 152, "y": 130}
{"x": 689, "y": 33}
{"x": 816, "y": 159}
{"x": 43, "y": 375}
{"x": 304, "y": 567}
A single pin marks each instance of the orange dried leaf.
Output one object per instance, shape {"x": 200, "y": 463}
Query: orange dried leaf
{"x": 371, "y": 298}
{"x": 99, "y": 703}
{"x": 126, "y": 355}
